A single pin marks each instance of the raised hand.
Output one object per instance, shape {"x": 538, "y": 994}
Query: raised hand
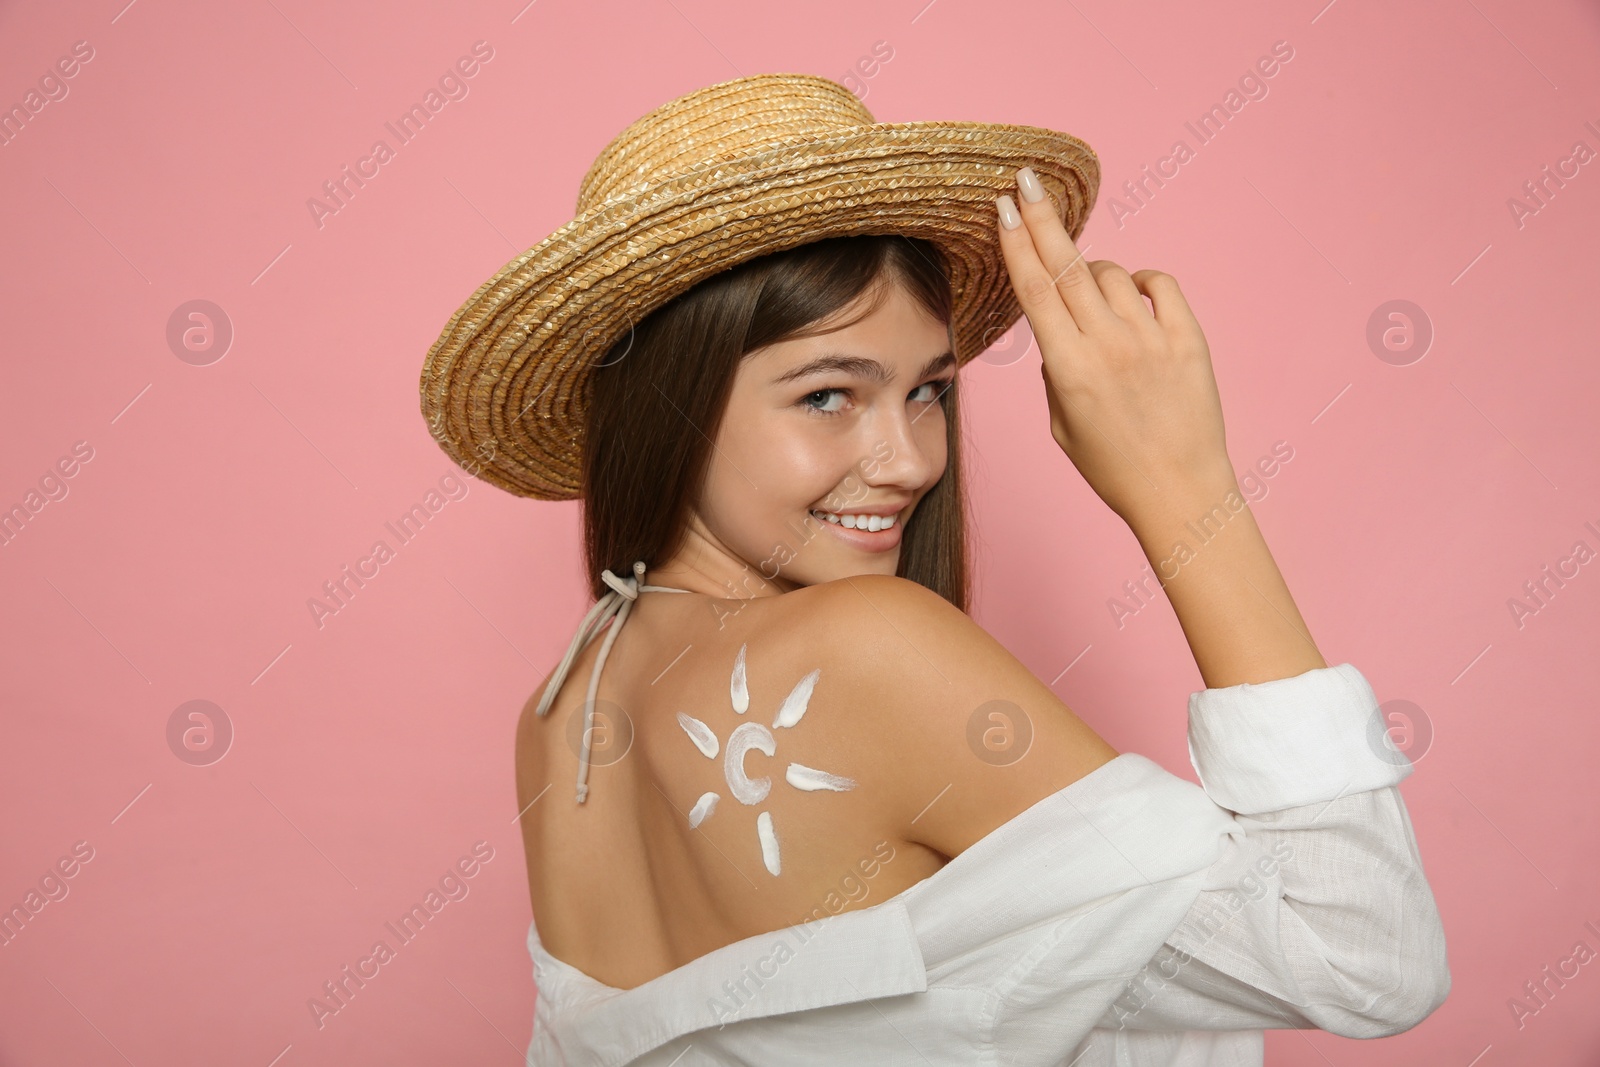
{"x": 1133, "y": 400}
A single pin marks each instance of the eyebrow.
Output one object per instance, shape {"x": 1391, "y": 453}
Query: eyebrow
{"x": 860, "y": 367}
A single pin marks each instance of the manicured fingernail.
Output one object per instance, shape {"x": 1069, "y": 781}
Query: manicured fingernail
{"x": 1028, "y": 182}
{"x": 1009, "y": 218}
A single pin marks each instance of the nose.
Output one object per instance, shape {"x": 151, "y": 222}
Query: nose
{"x": 906, "y": 448}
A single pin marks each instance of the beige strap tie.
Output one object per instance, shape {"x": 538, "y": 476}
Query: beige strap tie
{"x": 618, "y": 603}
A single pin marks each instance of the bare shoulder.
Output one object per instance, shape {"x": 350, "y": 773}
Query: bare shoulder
{"x": 963, "y": 736}
{"x": 528, "y": 747}
{"x": 528, "y": 717}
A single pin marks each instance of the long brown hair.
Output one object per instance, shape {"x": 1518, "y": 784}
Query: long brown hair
{"x": 657, "y": 398}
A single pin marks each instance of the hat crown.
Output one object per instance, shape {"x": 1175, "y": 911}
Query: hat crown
{"x": 718, "y": 123}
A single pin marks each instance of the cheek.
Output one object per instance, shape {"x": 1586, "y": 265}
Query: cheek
{"x": 933, "y": 438}
{"x": 761, "y": 475}
{"x": 781, "y": 459}
{"x": 809, "y": 464}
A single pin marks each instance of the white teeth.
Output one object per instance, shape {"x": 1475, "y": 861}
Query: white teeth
{"x": 870, "y": 523}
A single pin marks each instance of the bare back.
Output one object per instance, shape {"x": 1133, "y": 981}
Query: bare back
{"x": 622, "y": 887}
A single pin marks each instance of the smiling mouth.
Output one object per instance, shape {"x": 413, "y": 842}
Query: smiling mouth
{"x": 863, "y": 523}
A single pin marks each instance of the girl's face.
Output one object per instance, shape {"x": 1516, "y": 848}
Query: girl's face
{"x": 850, "y": 422}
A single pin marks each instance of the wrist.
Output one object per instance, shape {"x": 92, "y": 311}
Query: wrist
{"x": 1195, "y": 500}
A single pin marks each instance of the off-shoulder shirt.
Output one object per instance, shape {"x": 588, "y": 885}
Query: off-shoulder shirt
{"x": 1130, "y": 919}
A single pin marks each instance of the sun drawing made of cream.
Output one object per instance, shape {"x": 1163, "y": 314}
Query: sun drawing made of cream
{"x": 750, "y": 735}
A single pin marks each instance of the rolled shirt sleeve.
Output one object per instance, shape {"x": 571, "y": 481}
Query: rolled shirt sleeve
{"x": 1316, "y": 913}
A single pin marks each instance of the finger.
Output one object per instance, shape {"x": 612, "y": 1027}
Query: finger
{"x": 1040, "y": 299}
{"x": 1122, "y": 296}
{"x": 1165, "y": 296}
{"x": 1056, "y": 250}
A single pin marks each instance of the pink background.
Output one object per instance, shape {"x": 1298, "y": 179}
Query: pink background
{"x": 372, "y": 752}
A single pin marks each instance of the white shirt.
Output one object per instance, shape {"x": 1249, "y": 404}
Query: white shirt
{"x": 1131, "y": 919}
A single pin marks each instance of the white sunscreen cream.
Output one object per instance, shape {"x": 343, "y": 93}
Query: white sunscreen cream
{"x": 752, "y": 735}
{"x": 794, "y": 705}
{"x": 745, "y": 736}
{"x": 701, "y": 734}
{"x": 702, "y": 807}
{"x": 739, "y": 688}
{"x": 769, "y": 841}
{"x": 810, "y": 778}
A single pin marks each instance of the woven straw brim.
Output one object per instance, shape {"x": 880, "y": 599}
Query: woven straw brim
{"x": 503, "y": 388}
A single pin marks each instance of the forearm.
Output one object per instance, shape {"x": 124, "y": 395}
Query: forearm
{"x": 1236, "y": 612}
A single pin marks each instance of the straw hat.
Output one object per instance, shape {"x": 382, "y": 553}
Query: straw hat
{"x": 727, "y": 173}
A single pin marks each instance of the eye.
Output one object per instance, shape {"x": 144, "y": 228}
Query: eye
{"x": 805, "y": 401}
{"x": 938, "y": 387}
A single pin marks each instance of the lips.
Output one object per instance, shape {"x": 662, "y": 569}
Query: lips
{"x": 865, "y": 540}
{"x": 884, "y": 508}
